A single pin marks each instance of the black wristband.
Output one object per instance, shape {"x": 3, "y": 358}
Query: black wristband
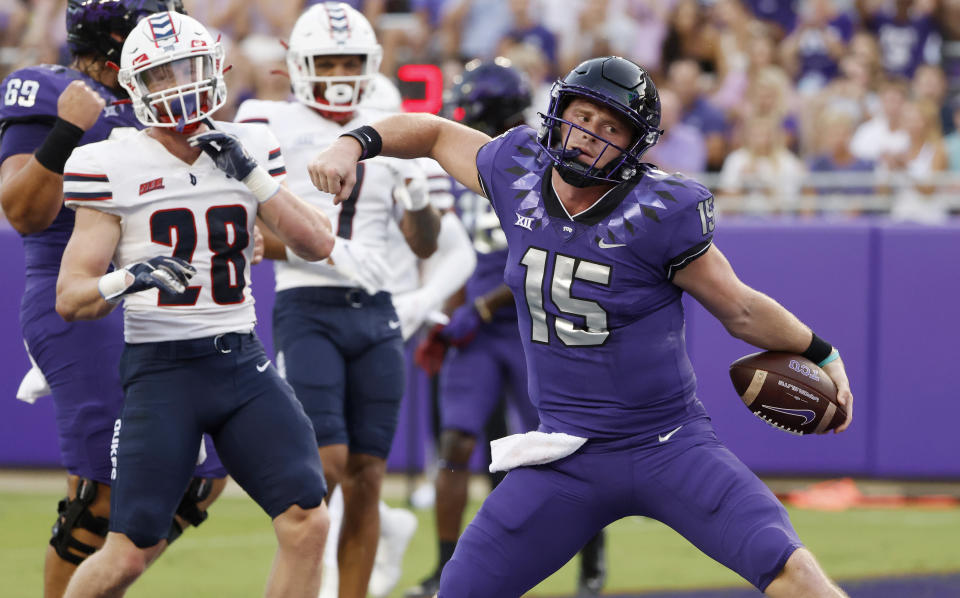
{"x": 370, "y": 141}
{"x": 58, "y": 145}
{"x": 818, "y": 350}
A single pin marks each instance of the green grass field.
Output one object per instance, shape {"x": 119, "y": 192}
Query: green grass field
{"x": 230, "y": 554}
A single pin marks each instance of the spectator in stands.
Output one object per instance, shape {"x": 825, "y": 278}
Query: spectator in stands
{"x": 683, "y": 77}
{"x": 952, "y": 141}
{"x": 527, "y": 29}
{"x": 769, "y": 94}
{"x": 649, "y": 18}
{"x": 45, "y": 39}
{"x": 474, "y": 28}
{"x": 763, "y": 176}
{"x": 918, "y": 198}
{"x": 930, "y": 84}
{"x": 760, "y": 52}
{"x": 833, "y": 158}
{"x": 681, "y": 147}
{"x": 736, "y": 29}
{"x": 781, "y": 14}
{"x": 588, "y": 28}
{"x": 13, "y": 21}
{"x": 226, "y": 17}
{"x": 811, "y": 54}
{"x": 884, "y": 133}
{"x": 690, "y": 35}
{"x": 903, "y": 34}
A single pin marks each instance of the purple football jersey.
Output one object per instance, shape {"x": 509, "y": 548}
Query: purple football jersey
{"x": 30, "y": 99}
{"x": 489, "y": 242}
{"x": 601, "y": 322}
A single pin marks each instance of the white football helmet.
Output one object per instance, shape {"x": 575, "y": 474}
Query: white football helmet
{"x": 173, "y": 71}
{"x": 331, "y": 28}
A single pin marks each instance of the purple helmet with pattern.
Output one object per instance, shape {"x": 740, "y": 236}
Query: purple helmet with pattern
{"x": 488, "y": 96}
{"x": 617, "y": 84}
{"x": 91, "y": 23}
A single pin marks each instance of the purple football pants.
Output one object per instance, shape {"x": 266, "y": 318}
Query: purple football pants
{"x": 540, "y": 516}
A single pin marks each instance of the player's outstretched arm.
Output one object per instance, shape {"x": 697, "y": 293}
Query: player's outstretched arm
{"x": 752, "y": 316}
{"x": 32, "y": 190}
{"x": 453, "y": 145}
{"x": 302, "y": 228}
{"x": 85, "y": 260}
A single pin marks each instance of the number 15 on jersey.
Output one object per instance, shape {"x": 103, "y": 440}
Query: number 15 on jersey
{"x": 566, "y": 269}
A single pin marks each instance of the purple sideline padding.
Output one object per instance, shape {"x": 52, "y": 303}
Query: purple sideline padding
{"x": 917, "y": 352}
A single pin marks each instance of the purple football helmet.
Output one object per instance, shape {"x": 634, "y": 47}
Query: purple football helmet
{"x": 615, "y": 83}
{"x": 488, "y": 96}
{"x": 90, "y": 23}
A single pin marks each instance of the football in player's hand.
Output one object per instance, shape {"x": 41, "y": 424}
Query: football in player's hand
{"x": 788, "y": 392}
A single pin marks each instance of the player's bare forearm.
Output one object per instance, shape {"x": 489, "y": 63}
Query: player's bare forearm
{"x": 746, "y": 313}
{"x": 78, "y": 297}
{"x": 453, "y": 145}
{"x": 30, "y": 194}
{"x": 85, "y": 259}
{"x": 273, "y": 247}
{"x": 298, "y": 225}
{"x": 497, "y": 298}
{"x": 421, "y": 229}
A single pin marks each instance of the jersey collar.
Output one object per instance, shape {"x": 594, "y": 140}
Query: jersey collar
{"x": 592, "y": 215}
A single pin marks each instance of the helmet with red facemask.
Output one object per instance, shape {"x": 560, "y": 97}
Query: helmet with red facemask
{"x": 172, "y": 69}
{"x": 331, "y": 29}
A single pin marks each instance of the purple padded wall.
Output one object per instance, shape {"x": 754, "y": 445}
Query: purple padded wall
{"x": 28, "y": 436}
{"x": 918, "y": 351}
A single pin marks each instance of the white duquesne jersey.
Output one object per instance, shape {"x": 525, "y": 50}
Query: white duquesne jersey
{"x": 405, "y": 271}
{"x": 191, "y": 211}
{"x": 365, "y": 218}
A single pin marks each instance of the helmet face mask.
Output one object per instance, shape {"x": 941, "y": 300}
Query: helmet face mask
{"x": 618, "y": 85}
{"x": 488, "y": 96}
{"x": 173, "y": 71}
{"x": 332, "y": 29}
{"x": 93, "y": 24}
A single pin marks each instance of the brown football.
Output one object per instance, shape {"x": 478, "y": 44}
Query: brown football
{"x": 788, "y": 391}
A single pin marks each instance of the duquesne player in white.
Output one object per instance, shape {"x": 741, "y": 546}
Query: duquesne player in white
{"x": 336, "y": 331}
{"x": 174, "y": 207}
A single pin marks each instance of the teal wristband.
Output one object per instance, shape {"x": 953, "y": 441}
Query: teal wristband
{"x": 834, "y": 355}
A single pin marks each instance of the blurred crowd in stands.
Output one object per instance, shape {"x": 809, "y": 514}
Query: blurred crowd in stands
{"x": 799, "y": 106}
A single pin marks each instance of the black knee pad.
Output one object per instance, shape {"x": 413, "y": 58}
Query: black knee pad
{"x": 73, "y": 514}
{"x": 197, "y": 492}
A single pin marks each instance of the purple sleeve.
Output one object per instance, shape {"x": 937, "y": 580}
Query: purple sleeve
{"x": 691, "y": 232}
{"x": 487, "y": 164}
{"x": 22, "y": 138}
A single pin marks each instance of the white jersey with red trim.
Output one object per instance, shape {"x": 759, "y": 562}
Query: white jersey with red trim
{"x": 366, "y": 217}
{"x": 192, "y": 211}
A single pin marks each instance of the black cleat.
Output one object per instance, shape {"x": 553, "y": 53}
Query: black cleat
{"x": 593, "y": 567}
{"x": 428, "y": 588}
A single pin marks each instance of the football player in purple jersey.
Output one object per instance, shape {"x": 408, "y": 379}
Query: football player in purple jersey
{"x": 601, "y": 247}
{"x": 486, "y": 357}
{"x": 47, "y": 111}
